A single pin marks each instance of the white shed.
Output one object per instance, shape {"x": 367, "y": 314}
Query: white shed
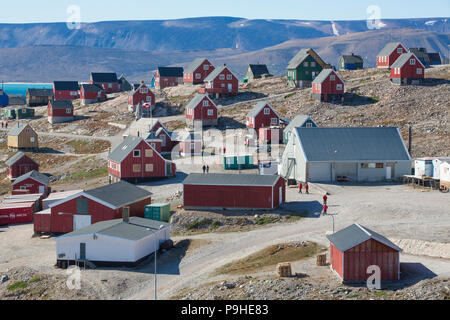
{"x": 444, "y": 173}
{"x": 437, "y": 167}
{"x": 113, "y": 242}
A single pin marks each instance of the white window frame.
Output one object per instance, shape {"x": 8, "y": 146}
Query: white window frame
{"x": 229, "y": 77}
{"x": 144, "y": 90}
{"x": 206, "y": 67}
{"x": 148, "y": 99}
{"x": 412, "y": 62}
{"x": 419, "y": 71}
{"x": 399, "y": 50}
{"x": 149, "y": 153}
{"x": 222, "y": 77}
{"x": 309, "y": 125}
{"x": 137, "y": 164}
{"x": 205, "y": 103}
{"x": 147, "y": 167}
{"x": 332, "y": 77}
{"x": 198, "y": 76}
{"x": 305, "y": 64}
{"x": 274, "y": 121}
{"x": 313, "y": 64}
{"x": 266, "y": 111}
{"x": 339, "y": 86}
{"x": 210, "y": 112}
{"x": 68, "y": 111}
{"x": 138, "y": 153}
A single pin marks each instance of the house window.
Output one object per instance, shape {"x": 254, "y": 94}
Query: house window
{"x": 192, "y": 146}
{"x": 83, "y": 206}
{"x": 198, "y": 76}
{"x": 222, "y": 77}
{"x": 305, "y": 64}
{"x": 31, "y": 139}
{"x": 313, "y": 64}
{"x": 229, "y": 77}
{"x": 136, "y": 153}
{"x": 23, "y": 188}
{"x": 110, "y": 85}
{"x": 266, "y": 111}
{"x": 372, "y": 165}
{"x": 223, "y": 85}
{"x": 68, "y": 111}
{"x": 136, "y": 168}
{"x": 306, "y": 72}
{"x": 339, "y": 86}
{"x": 144, "y": 90}
{"x": 24, "y": 111}
{"x": 149, "y": 152}
{"x": 149, "y": 99}
{"x": 210, "y": 112}
{"x": 332, "y": 77}
{"x": 412, "y": 62}
{"x": 153, "y": 145}
{"x": 309, "y": 125}
{"x": 419, "y": 71}
{"x": 73, "y": 93}
{"x": 274, "y": 121}
{"x": 206, "y": 67}
{"x": 205, "y": 103}
{"x": 149, "y": 167}
{"x": 399, "y": 50}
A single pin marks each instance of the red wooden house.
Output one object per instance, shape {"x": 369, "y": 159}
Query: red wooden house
{"x": 197, "y": 71}
{"x": 221, "y": 82}
{"x": 91, "y": 93}
{"x": 19, "y": 164}
{"x": 202, "y": 108}
{"x": 390, "y": 54}
{"x": 328, "y": 86}
{"x": 106, "y": 80}
{"x": 135, "y": 160}
{"x": 355, "y": 248}
{"x": 233, "y": 191}
{"x": 139, "y": 96}
{"x": 32, "y": 182}
{"x": 100, "y": 204}
{"x": 163, "y": 140}
{"x": 59, "y": 111}
{"x": 168, "y": 77}
{"x": 262, "y": 116}
{"x": 408, "y": 69}
{"x": 66, "y": 90}
{"x": 189, "y": 143}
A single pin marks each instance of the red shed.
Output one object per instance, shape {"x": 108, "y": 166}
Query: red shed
{"x": 221, "y": 82}
{"x": 19, "y": 164}
{"x": 66, "y": 90}
{"x": 16, "y": 212}
{"x": 106, "y": 80}
{"x": 408, "y": 69}
{"x": 168, "y": 77}
{"x": 355, "y": 248}
{"x": 41, "y": 221}
{"x": 233, "y": 191}
{"x": 91, "y": 93}
{"x": 197, "y": 71}
{"x": 328, "y": 86}
{"x": 202, "y": 108}
{"x": 262, "y": 116}
{"x": 139, "y": 96}
{"x": 33, "y": 182}
{"x": 135, "y": 160}
{"x": 59, "y": 111}
{"x": 95, "y": 205}
{"x": 390, "y": 54}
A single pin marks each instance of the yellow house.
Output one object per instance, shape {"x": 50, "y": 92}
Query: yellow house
{"x": 22, "y": 136}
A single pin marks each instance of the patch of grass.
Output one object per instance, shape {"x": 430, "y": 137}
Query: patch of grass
{"x": 375, "y": 98}
{"x": 270, "y": 257}
{"x": 289, "y": 95}
{"x": 199, "y": 224}
{"x": 35, "y": 279}
{"x": 266, "y": 220}
{"x": 354, "y": 295}
{"x": 216, "y": 224}
{"x": 88, "y": 147}
{"x": 380, "y": 293}
{"x": 17, "y": 285}
{"x": 86, "y": 175}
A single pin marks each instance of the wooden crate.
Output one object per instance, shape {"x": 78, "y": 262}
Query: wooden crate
{"x": 284, "y": 270}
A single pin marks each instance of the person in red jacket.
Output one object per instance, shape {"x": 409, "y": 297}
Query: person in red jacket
{"x": 325, "y": 198}
{"x": 307, "y": 187}
{"x": 325, "y": 208}
{"x": 300, "y": 187}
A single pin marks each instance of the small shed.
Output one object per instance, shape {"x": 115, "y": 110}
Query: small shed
{"x": 351, "y": 62}
{"x": 233, "y": 191}
{"x": 257, "y": 71}
{"x": 238, "y": 162}
{"x": 437, "y": 166}
{"x": 120, "y": 242}
{"x": 444, "y": 174}
{"x": 60, "y": 111}
{"x": 328, "y": 86}
{"x": 125, "y": 85}
{"x": 202, "y": 109}
{"x": 158, "y": 212}
{"x": 39, "y": 97}
{"x": 19, "y": 164}
{"x": 16, "y": 212}
{"x": 424, "y": 167}
{"x": 32, "y": 182}
{"x": 91, "y": 93}
{"x": 22, "y": 136}
{"x": 355, "y": 248}
{"x": 168, "y": 77}
{"x": 66, "y": 90}
{"x": 407, "y": 69}
{"x": 18, "y": 112}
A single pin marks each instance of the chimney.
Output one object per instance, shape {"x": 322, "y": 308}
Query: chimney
{"x": 126, "y": 214}
{"x": 142, "y": 82}
{"x": 409, "y": 138}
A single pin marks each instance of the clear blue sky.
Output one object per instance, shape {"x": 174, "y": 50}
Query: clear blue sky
{"x": 25, "y": 11}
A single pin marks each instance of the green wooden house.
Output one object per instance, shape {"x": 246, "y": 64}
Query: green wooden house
{"x": 304, "y": 68}
{"x": 17, "y": 113}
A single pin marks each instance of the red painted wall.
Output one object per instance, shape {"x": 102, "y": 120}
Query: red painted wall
{"x": 328, "y": 86}
{"x": 92, "y": 95}
{"x": 336, "y": 260}
{"x": 21, "y": 213}
{"x": 58, "y": 112}
{"x": 409, "y": 71}
{"x": 31, "y": 185}
{"x": 199, "y": 109}
{"x": 262, "y": 120}
{"x": 164, "y": 82}
{"x": 21, "y": 167}
{"x": 217, "y": 84}
{"x": 115, "y": 87}
{"x": 41, "y": 222}
{"x": 391, "y": 58}
{"x": 200, "y": 70}
{"x": 141, "y": 98}
{"x": 65, "y": 95}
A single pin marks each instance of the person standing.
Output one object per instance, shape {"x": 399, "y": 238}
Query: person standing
{"x": 300, "y": 187}
{"x": 207, "y": 168}
{"x": 204, "y": 169}
{"x": 325, "y": 208}
{"x": 325, "y": 199}
{"x": 307, "y": 187}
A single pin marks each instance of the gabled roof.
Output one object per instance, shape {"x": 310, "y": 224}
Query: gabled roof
{"x": 103, "y": 77}
{"x": 216, "y": 72}
{"x": 352, "y": 58}
{"x": 18, "y": 128}
{"x": 220, "y": 179}
{"x": 66, "y": 85}
{"x": 259, "y": 107}
{"x": 324, "y": 74}
{"x": 298, "y": 58}
{"x": 197, "y": 99}
{"x": 40, "y": 92}
{"x": 124, "y": 149}
{"x": 356, "y": 234}
{"x": 143, "y": 126}
{"x": 61, "y": 104}
{"x": 39, "y": 177}
{"x": 2, "y": 93}
{"x": 388, "y": 48}
{"x": 258, "y": 69}
{"x": 136, "y": 229}
{"x": 422, "y": 54}
{"x": 170, "y": 72}
{"x": 352, "y": 144}
{"x": 298, "y": 121}
{"x": 91, "y": 88}
{"x": 404, "y": 58}
{"x": 119, "y": 194}
{"x": 16, "y": 157}
{"x": 194, "y": 65}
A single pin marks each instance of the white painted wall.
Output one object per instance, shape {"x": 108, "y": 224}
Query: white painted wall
{"x": 444, "y": 171}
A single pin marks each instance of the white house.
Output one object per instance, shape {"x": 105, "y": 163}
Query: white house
{"x": 437, "y": 167}
{"x": 444, "y": 174}
{"x": 112, "y": 243}
{"x": 354, "y": 154}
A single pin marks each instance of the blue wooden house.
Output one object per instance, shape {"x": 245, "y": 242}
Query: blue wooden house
{"x": 4, "y": 100}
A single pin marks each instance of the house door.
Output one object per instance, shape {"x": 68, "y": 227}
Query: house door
{"x": 81, "y": 221}
{"x": 82, "y": 251}
{"x": 313, "y": 75}
{"x": 41, "y": 189}
{"x": 230, "y": 87}
{"x": 169, "y": 169}
{"x": 388, "y": 173}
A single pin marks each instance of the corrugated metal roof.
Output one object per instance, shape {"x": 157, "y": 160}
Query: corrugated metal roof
{"x": 66, "y": 85}
{"x": 170, "y": 72}
{"x": 104, "y": 77}
{"x": 123, "y": 149}
{"x": 196, "y": 100}
{"x": 352, "y": 144}
{"x": 323, "y": 75}
{"x": 298, "y": 58}
{"x": 404, "y": 58}
{"x": 298, "y": 121}
{"x": 217, "y": 179}
{"x": 352, "y": 58}
{"x": 216, "y": 72}
{"x": 119, "y": 194}
{"x": 356, "y": 234}
{"x": 61, "y": 195}
{"x": 61, "y": 104}
{"x": 16, "y": 157}
{"x": 13, "y": 205}
{"x": 137, "y": 228}
{"x": 388, "y": 48}
{"x": 40, "y": 177}
{"x": 194, "y": 65}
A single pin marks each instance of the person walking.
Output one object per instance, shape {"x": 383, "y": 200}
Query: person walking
{"x": 325, "y": 208}
{"x": 325, "y": 199}
{"x": 207, "y": 168}
{"x": 307, "y": 188}
{"x": 6, "y": 124}
{"x": 2, "y": 124}
{"x": 204, "y": 169}
{"x": 300, "y": 187}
